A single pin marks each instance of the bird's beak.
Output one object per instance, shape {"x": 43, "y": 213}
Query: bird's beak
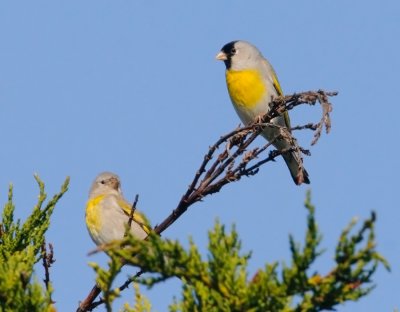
{"x": 221, "y": 56}
{"x": 114, "y": 183}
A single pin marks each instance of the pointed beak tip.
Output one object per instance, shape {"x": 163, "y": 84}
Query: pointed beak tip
{"x": 221, "y": 56}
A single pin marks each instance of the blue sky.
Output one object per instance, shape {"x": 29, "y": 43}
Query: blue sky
{"x": 133, "y": 87}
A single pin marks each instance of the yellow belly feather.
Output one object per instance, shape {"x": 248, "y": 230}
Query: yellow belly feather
{"x": 93, "y": 219}
{"x": 246, "y": 87}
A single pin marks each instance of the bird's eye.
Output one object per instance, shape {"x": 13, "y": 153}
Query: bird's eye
{"x": 103, "y": 182}
{"x": 233, "y": 51}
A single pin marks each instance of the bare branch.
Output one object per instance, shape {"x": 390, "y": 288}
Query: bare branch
{"x": 47, "y": 261}
{"x": 236, "y": 160}
{"x": 87, "y": 303}
{"x": 119, "y": 289}
{"x": 133, "y": 208}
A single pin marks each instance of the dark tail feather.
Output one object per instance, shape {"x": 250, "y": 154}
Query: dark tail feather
{"x": 296, "y": 168}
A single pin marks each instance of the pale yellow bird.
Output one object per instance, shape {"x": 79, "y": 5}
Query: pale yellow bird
{"x": 107, "y": 212}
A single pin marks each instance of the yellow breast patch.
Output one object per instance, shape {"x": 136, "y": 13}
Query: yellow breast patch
{"x": 93, "y": 218}
{"x": 246, "y": 87}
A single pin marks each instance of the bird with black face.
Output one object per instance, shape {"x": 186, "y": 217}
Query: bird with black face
{"x": 252, "y": 83}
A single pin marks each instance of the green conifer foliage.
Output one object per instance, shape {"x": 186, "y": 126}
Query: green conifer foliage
{"x": 221, "y": 282}
{"x": 20, "y": 249}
